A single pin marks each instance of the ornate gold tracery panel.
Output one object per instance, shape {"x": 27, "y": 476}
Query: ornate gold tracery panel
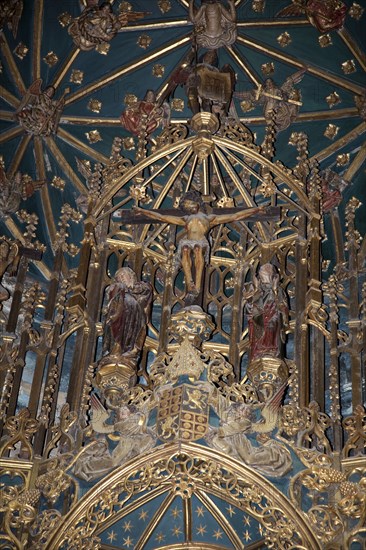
{"x": 181, "y": 470}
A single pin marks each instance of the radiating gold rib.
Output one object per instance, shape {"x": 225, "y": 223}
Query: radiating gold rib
{"x": 37, "y": 38}
{"x": 244, "y": 65}
{"x": 83, "y": 120}
{"x": 10, "y": 134}
{"x": 69, "y": 172}
{"x": 144, "y": 60}
{"x": 7, "y": 115}
{"x": 311, "y": 116}
{"x": 131, "y": 507}
{"x": 191, "y": 173}
{"x": 163, "y": 24}
{"x": 162, "y": 168}
{"x": 155, "y": 521}
{"x": 12, "y": 65}
{"x": 19, "y": 153}
{"x": 63, "y": 134}
{"x": 9, "y": 98}
{"x": 356, "y": 163}
{"x": 65, "y": 67}
{"x": 291, "y": 60}
{"x": 163, "y": 193}
{"x": 353, "y": 47}
{"x": 219, "y": 175}
{"x": 18, "y": 234}
{"x": 272, "y": 23}
{"x": 45, "y": 197}
{"x": 341, "y": 142}
{"x": 221, "y": 519}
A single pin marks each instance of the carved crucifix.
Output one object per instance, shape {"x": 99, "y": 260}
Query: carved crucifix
{"x": 193, "y": 251}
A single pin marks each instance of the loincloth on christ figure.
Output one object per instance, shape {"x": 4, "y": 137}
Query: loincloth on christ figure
{"x": 191, "y": 243}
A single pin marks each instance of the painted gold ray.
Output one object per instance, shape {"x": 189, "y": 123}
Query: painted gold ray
{"x": 17, "y": 234}
{"x": 85, "y": 120}
{"x": 63, "y": 134}
{"x": 162, "y": 24}
{"x": 114, "y": 75}
{"x": 45, "y": 197}
{"x": 6, "y": 115}
{"x": 37, "y": 38}
{"x": 273, "y": 23}
{"x": 14, "y": 72}
{"x": 221, "y": 519}
{"x": 69, "y": 172}
{"x": 9, "y": 97}
{"x": 342, "y": 142}
{"x": 65, "y": 66}
{"x": 291, "y": 60}
{"x": 356, "y": 163}
{"x": 19, "y": 153}
{"x": 154, "y": 521}
{"x": 244, "y": 65}
{"x": 311, "y": 116}
{"x": 131, "y": 507}
{"x": 353, "y": 47}
{"x": 10, "y": 134}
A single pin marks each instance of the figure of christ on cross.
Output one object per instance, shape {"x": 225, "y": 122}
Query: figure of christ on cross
{"x": 195, "y": 247}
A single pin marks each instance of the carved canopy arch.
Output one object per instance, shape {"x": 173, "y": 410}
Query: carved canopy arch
{"x": 184, "y": 470}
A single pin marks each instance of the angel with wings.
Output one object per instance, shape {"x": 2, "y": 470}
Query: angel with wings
{"x": 279, "y": 102}
{"x": 324, "y": 15}
{"x": 38, "y": 113}
{"x": 129, "y": 429}
{"x": 264, "y": 454}
{"x": 10, "y": 14}
{"x": 98, "y": 25}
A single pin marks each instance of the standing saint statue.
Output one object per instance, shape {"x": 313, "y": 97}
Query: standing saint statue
{"x": 197, "y": 224}
{"x": 267, "y": 312}
{"x": 127, "y": 314}
{"x": 215, "y": 25}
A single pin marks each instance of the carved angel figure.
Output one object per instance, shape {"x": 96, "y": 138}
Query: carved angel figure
{"x": 38, "y": 113}
{"x": 332, "y": 186}
{"x": 13, "y": 189}
{"x": 9, "y": 259}
{"x": 281, "y": 102}
{"x": 98, "y": 25}
{"x": 133, "y": 438}
{"x": 10, "y": 14}
{"x": 266, "y": 455}
{"x": 144, "y": 116}
{"x": 214, "y": 24}
{"x": 267, "y": 311}
{"x": 324, "y": 15}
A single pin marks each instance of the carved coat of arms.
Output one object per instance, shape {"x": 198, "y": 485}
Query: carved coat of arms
{"x": 183, "y": 413}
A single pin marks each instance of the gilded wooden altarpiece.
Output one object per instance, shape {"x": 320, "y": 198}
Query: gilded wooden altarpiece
{"x": 219, "y": 404}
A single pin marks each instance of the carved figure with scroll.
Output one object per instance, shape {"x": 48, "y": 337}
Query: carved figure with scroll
{"x": 127, "y": 314}
{"x": 237, "y": 423}
{"x": 98, "y": 25}
{"x": 281, "y": 103}
{"x": 145, "y": 115}
{"x": 9, "y": 260}
{"x": 215, "y": 24}
{"x": 267, "y": 312}
{"x": 38, "y": 113}
{"x": 324, "y": 15}
{"x": 195, "y": 248}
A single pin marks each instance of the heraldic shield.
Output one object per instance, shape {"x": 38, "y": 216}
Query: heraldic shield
{"x": 183, "y": 413}
{"x": 214, "y": 85}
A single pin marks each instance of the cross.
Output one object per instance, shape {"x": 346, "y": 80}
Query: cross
{"x": 193, "y": 251}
